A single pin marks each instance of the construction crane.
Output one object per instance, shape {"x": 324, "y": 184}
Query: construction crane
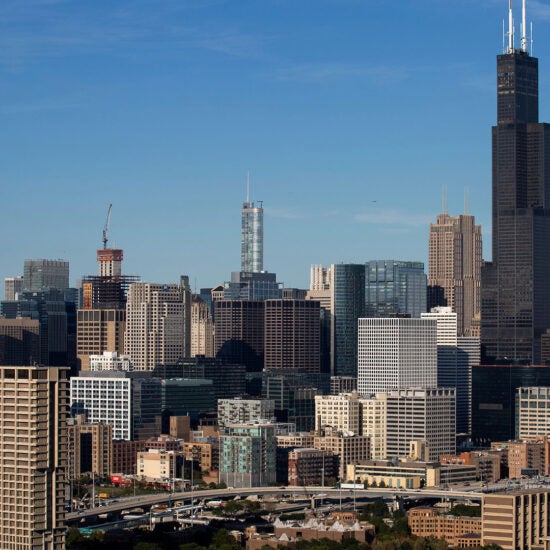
{"x": 106, "y": 228}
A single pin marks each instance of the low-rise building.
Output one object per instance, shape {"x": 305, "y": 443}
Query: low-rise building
{"x": 287, "y": 533}
{"x": 299, "y": 440}
{"x": 125, "y": 455}
{"x": 159, "y": 465}
{"x": 410, "y": 474}
{"x": 311, "y": 467}
{"x": 349, "y": 447}
{"x": 425, "y": 521}
{"x": 487, "y": 463}
{"x": 207, "y": 454}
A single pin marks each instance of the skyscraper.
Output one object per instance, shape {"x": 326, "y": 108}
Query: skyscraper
{"x": 252, "y": 236}
{"x": 158, "y": 324}
{"x": 396, "y": 353}
{"x": 13, "y": 286}
{"x": 39, "y": 275}
{"x": 454, "y": 273}
{"x": 239, "y": 332}
{"x": 515, "y": 301}
{"x": 33, "y": 456}
{"x": 421, "y": 414}
{"x": 395, "y": 287}
{"x": 348, "y": 304}
{"x": 292, "y": 335}
{"x": 455, "y": 357}
{"x": 102, "y": 320}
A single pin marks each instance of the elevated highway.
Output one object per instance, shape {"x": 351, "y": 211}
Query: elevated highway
{"x": 113, "y": 509}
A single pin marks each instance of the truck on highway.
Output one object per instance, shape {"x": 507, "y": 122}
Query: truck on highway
{"x": 351, "y": 486}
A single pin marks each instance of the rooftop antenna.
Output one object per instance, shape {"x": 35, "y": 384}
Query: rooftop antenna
{"x": 524, "y": 26}
{"x": 503, "y": 37}
{"x": 531, "y": 38}
{"x": 248, "y": 186}
{"x": 106, "y": 227}
{"x": 510, "y": 28}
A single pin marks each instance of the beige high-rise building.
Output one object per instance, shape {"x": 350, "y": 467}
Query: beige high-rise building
{"x": 33, "y": 456}
{"x": 374, "y": 424}
{"x": 421, "y": 414}
{"x": 454, "y": 276}
{"x": 342, "y": 412}
{"x": 516, "y": 521}
{"x": 13, "y": 286}
{"x": 351, "y": 448}
{"x": 90, "y": 449}
{"x": 319, "y": 286}
{"x": 99, "y": 330}
{"x": 202, "y": 329}
{"x": 158, "y": 324}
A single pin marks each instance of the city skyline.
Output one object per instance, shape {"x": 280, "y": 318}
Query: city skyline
{"x": 350, "y": 118}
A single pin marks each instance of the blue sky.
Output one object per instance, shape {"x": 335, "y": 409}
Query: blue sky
{"x": 351, "y": 115}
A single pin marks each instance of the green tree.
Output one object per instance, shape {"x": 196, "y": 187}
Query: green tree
{"x": 222, "y": 540}
{"x": 464, "y": 510}
{"x": 232, "y": 507}
{"x": 400, "y": 524}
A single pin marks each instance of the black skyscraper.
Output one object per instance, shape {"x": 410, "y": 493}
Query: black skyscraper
{"x": 515, "y": 308}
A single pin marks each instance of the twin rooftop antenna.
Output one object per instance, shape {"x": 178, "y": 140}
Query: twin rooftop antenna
{"x": 523, "y": 28}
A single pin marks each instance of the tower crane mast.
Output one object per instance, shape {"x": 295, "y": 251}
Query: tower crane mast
{"x": 106, "y": 227}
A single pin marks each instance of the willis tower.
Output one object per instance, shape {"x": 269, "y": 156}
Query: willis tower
{"x": 515, "y": 299}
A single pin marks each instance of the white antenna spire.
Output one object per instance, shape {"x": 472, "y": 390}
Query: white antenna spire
{"x": 248, "y": 186}
{"x": 503, "y": 37}
{"x": 510, "y": 28}
{"x": 531, "y": 38}
{"x": 524, "y": 26}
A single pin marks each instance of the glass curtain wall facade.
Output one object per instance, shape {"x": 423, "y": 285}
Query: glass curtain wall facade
{"x": 252, "y": 238}
{"x": 515, "y": 298}
{"x": 395, "y": 288}
{"x": 348, "y": 302}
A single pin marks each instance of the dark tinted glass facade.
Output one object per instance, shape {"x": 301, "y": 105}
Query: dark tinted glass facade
{"x": 515, "y": 298}
{"x": 494, "y": 390}
{"x": 348, "y": 305}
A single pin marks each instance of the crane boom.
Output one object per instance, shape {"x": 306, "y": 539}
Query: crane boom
{"x": 106, "y": 228}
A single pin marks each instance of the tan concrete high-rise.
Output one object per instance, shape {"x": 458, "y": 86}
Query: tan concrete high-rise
{"x": 99, "y": 330}
{"x": 13, "y": 286}
{"x": 454, "y": 276}
{"x": 292, "y": 335}
{"x": 158, "y": 324}
{"x": 516, "y": 521}
{"x": 90, "y": 449}
{"x": 33, "y": 455}
{"x": 202, "y": 328}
